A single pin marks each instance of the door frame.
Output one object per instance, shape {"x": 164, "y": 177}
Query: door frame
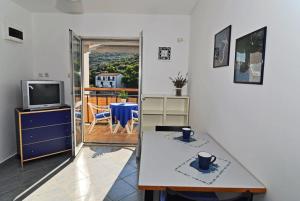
{"x": 135, "y": 38}
{"x": 141, "y": 49}
{"x": 76, "y": 149}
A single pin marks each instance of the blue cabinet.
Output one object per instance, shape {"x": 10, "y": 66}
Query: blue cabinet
{"x": 43, "y": 133}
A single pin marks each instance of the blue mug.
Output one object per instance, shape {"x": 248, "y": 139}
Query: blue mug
{"x": 186, "y": 134}
{"x": 205, "y": 159}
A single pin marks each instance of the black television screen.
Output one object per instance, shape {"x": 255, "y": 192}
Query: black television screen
{"x": 40, "y": 94}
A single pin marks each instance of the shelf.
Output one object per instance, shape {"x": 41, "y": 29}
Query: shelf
{"x": 177, "y": 97}
{"x": 152, "y": 120}
{"x": 153, "y": 96}
{"x": 148, "y": 128}
{"x": 174, "y": 120}
{"x": 165, "y": 111}
{"x": 176, "y": 112}
{"x": 153, "y": 112}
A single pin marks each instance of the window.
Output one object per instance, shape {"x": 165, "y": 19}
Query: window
{"x": 113, "y": 78}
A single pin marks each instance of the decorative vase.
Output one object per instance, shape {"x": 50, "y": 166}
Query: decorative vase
{"x": 123, "y": 100}
{"x": 178, "y": 91}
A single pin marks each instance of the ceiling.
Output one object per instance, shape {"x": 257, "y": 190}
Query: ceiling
{"x": 183, "y": 7}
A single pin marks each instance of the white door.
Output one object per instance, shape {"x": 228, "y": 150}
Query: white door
{"x": 140, "y": 92}
{"x": 77, "y": 92}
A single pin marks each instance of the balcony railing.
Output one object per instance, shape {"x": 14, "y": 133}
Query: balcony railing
{"x": 103, "y": 97}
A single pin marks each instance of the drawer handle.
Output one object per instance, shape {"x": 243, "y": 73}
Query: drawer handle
{"x": 30, "y": 136}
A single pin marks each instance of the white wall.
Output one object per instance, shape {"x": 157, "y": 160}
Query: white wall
{"x": 15, "y": 65}
{"x": 257, "y": 124}
{"x": 51, "y": 43}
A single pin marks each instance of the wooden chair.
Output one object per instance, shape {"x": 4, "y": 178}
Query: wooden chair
{"x": 100, "y": 113}
{"x": 170, "y": 128}
{"x": 134, "y": 119}
{"x": 77, "y": 110}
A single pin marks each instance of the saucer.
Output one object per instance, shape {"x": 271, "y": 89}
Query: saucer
{"x": 180, "y": 138}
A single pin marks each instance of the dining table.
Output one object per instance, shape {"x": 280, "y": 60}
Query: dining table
{"x": 167, "y": 162}
{"x": 122, "y": 114}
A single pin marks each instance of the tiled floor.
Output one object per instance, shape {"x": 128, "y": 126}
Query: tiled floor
{"x": 97, "y": 173}
{"x": 14, "y": 180}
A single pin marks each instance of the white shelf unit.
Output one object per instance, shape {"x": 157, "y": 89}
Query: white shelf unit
{"x": 158, "y": 110}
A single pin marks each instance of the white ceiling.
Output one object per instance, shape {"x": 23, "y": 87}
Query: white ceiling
{"x": 116, "y": 6}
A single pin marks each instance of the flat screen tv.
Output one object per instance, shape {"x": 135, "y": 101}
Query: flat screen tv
{"x": 42, "y": 94}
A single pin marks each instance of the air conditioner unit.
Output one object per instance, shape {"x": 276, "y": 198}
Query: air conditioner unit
{"x": 13, "y": 33}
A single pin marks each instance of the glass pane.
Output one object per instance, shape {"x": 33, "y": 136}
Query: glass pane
{"x": 77, "y": 82}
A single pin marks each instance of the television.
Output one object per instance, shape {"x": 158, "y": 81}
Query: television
{"x": 42, "y": 94}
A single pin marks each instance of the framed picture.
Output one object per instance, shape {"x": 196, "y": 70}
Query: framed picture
{"x": 222, "y": 47}
{"x": 250, "y": 57}
{"x": 164, "y": 53}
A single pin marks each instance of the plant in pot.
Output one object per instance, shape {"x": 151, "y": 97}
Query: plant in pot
{"x": 179, "y": 81}
{"x": 123, "y": 95}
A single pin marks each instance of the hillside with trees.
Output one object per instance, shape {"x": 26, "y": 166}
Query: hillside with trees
{"x": 125, "y": 63}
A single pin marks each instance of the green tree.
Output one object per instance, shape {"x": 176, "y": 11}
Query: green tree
{"x": 124, "y": 63}
{"x": 131, "y": 76}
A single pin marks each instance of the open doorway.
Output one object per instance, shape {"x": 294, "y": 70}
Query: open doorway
{"x": 111, "y": 76}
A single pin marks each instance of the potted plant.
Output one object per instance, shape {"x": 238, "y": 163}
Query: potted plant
{"x": 123, "y": 95}
{"x": 179, "y": 81}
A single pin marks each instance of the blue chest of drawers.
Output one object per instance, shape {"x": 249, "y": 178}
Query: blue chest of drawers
{"x": 43, "y": 133}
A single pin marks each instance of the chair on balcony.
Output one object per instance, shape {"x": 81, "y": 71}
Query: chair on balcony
{"x": 100, "y": 113}
{"x": 77, "y": 110}
{"x": 134, "y": 119}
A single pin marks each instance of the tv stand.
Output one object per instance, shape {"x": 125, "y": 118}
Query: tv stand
{"x": 43, "y": 109}
{"x": 42, "y": 133}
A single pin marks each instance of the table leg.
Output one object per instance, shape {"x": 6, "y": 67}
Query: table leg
{"x": 128, "y": 129}
{"x": 117, "y": 127}
{"x": 250, "y": 197}
{"x": 247, "y": 196}
{"x": 148, "y": 196}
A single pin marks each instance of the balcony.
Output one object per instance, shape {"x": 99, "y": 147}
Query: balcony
{"x": 101, "y": 132}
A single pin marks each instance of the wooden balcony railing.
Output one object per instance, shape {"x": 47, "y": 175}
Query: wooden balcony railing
{"x": 103, "y": 97}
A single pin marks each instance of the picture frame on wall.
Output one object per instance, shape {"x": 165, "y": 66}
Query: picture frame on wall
{"x": 164, "y": 53}
{"x": 222, "y": 48}
{"x": 250, "y": 57}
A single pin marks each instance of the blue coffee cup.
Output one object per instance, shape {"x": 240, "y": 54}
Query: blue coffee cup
{"x": 186, "y": 134}
{"x": 205, "y": 159}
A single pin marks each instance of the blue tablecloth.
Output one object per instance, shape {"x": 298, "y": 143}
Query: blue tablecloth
{"x": 122, "y": 112}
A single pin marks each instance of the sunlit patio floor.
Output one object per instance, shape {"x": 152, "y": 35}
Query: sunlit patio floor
{"x": 102, "y": 134}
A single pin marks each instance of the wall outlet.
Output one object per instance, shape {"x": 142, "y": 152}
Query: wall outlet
{"x": 180, "y": 40}
{"x": 46, "y": 74}
{"x": 41, "y": 75}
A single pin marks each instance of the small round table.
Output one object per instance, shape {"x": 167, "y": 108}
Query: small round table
{"x": 122, "y": 112}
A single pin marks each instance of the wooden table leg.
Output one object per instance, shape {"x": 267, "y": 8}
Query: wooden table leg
{"x": 148, "y": 196}
{"x": 117, "y": 127}
{"x": 128, "y": 129}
